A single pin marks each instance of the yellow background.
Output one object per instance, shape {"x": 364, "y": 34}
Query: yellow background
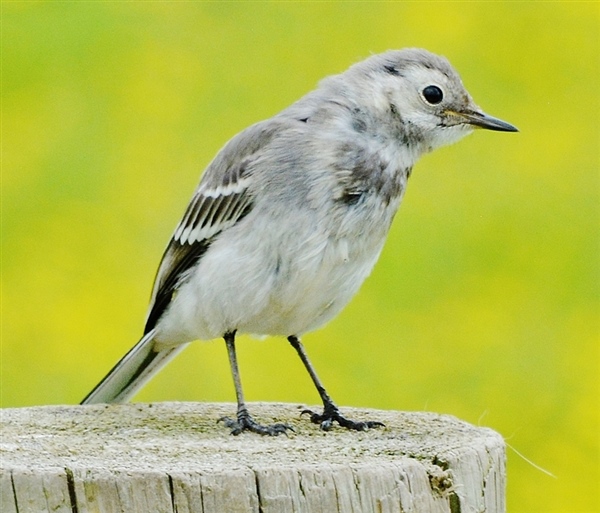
{"x": 484, "y": 304}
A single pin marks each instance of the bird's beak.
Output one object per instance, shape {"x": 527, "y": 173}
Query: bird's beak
{"x": 482, "y": 120}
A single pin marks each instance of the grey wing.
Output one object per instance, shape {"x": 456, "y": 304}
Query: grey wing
{"x": 222, "y": 199}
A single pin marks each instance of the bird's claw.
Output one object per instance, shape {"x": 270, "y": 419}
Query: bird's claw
{"x": 245, "y": 422}
{"x": 332, "y": 414}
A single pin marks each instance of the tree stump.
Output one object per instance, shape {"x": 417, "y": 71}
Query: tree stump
{"x": 175, "y": 457}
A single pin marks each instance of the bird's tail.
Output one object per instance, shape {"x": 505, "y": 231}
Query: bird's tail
{"x": 132, "y": 372}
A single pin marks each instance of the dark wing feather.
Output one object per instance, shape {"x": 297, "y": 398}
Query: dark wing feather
{"x": 180, "y": 258}
{"x": 204, "y": 219}
{"x": 222, "y": 199}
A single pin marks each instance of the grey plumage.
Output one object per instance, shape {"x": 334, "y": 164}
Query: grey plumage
{"x": 291, "y": 215}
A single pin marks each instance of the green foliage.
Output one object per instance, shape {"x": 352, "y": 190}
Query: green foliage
{"x": 485, "y": 302}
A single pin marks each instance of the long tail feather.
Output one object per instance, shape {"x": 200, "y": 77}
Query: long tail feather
{"x": 132, "y": 372}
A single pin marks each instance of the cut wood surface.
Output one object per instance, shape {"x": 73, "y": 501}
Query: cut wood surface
{"x": 175, "y": 457}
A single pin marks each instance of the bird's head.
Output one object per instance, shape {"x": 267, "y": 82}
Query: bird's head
{"x": 421, "y": 96}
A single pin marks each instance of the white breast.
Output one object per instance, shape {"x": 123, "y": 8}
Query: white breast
{"x": 274, "y": 280}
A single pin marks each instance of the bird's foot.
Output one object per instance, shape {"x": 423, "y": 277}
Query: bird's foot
{"x": 331, "y": 414}
{"x": 245, "y": 422}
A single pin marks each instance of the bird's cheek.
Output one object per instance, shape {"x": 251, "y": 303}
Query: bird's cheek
{"x": 450, "y": 135}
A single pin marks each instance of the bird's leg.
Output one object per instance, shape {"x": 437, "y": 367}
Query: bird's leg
{"x": 330, "y": 410}
{"x": 244, "y": 420}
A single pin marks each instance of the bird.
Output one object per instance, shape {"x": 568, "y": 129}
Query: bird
{"x": 291, "y": 216}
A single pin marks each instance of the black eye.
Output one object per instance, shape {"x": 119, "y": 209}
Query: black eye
{"x": 433, "y": 94}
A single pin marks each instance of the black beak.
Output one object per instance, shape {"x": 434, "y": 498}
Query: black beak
{"x": 482, "y": 120}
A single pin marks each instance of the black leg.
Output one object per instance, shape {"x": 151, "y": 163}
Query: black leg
{"x": 330, "y": 410}
{"x": 244, "y": 420}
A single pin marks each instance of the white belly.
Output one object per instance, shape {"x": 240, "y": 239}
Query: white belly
{"x": 266, "y": 283}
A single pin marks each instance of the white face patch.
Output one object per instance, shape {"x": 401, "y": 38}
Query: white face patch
{"x": 452, "y": 134}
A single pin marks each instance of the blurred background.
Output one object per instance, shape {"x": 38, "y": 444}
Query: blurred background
{"x": 485, "y": 303}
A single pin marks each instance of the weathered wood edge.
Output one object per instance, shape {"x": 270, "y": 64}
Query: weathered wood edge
{"x": 175, "y": 457}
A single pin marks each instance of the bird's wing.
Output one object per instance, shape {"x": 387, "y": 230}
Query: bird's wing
{"x": 221, "y": 200}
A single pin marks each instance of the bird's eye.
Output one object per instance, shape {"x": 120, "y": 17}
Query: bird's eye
{"x": 433, "y": 94}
